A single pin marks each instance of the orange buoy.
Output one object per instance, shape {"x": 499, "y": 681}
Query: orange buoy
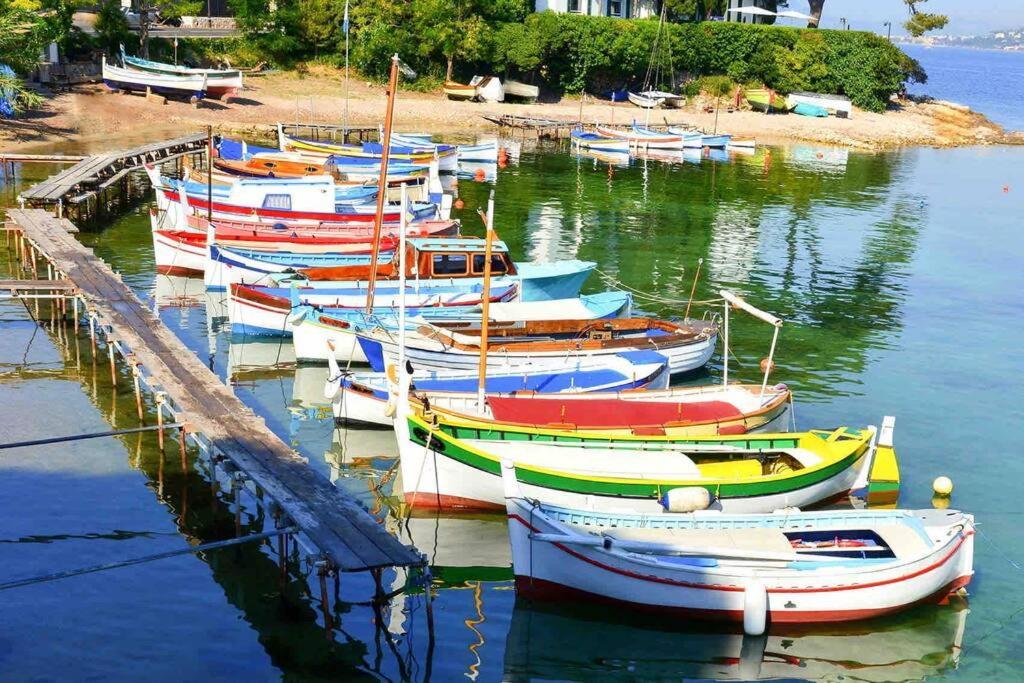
{"x": 1006, "y": 188}
{"x": 479, "y": 176}
{"x": 767, "y": 365}
{"x": 459, "y": 204}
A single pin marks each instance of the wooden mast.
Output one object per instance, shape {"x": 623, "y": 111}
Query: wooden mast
{"x": 382, "y": 185}
{"x": 485, "y": 309}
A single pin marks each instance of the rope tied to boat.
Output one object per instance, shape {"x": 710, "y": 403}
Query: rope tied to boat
{"x": 613, "y": 282}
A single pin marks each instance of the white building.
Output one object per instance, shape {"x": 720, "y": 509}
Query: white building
{"x": 627, "y": 9}
{"x": 745, "y": 17}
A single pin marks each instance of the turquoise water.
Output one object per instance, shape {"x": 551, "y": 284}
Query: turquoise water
{"x": 989, "y": 81}
{"x": 897, "y": 275}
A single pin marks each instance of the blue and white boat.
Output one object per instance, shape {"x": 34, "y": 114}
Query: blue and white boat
{"x": 329, "y": 331}
{"x": 599, "y": 143}
{"x": 363, "y": 397}
{"x": 545, "y": 345}
{"x": 227, "y": 265}
{"x": 189, "y": 87}
{"x": 485, "y": 152}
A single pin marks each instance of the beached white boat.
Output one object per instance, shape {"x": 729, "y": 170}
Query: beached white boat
{"x": 837, "y": 105}
{"x": 521, "y": 91}
{"x": 190, "y": 86}
{"x": 759, "y": 570}
{"x": 488, "y": 88}
{"x": 645, "y": 102}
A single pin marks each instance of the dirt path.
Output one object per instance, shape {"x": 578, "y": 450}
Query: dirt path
{"x": 90, "y": 116}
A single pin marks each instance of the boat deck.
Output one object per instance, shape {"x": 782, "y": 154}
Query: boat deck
{"x": 343, "y": 532}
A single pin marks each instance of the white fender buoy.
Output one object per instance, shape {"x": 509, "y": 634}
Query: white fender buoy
{"x": 755, "y": 608}
{"x": 686, "y": 499}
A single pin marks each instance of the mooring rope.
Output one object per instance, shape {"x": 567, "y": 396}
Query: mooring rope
{"x": 614, "y": 282}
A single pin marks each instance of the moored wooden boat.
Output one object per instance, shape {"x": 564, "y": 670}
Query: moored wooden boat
{"x": 705, "y": 410}
{"x": 367, "y": 397}
{"x": 590, "y": 470}
{"x": 640, "y": 137}
{"x": 190, "y": 87}
{"x": 545, "y": 344}
{"x": 758, "y": 570}
{"x": 321, "y": 333}
{"x": 598, "y": 142}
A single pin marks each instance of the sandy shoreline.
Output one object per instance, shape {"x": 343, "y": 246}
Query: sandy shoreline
{"x": 89, "y": 116}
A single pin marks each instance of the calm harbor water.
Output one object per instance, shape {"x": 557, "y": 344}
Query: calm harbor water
{"x": 988, "y": 81}
{"x": 898, "y": 276}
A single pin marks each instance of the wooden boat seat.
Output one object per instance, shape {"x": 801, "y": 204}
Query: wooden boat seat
{"x": 772, "y": 540}
{"x": 904, "y": 541}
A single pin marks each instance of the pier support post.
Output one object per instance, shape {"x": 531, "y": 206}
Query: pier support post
{"x": 138, "y": 394}
{"x": 113, "y": 368}
{"x": 182, "y": 435}
{"x": 160, "y": 421}
{"x": 324, "y": 603}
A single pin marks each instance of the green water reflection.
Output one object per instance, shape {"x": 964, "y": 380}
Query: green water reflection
{"x": 898, "y": 276}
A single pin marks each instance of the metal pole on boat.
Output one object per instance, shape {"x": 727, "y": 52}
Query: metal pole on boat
{"x": 485, "y": 309}
{"x": 769, "y": 363}
{"x": 693, "y": 288}
{"x": 209, "y": 173}
{"x": 725, "y": 344}
{"x": 404, "y": 199}
{"x": 382, "y": 185}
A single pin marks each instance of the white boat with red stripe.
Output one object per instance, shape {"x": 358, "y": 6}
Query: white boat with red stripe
{"x": 762, "y": 570}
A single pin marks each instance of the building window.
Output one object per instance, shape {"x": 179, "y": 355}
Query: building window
{"x": 615, "y": 8}
{"x": 573, "y": 5}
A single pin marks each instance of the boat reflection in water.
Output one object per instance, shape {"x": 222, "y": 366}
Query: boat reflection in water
{"x": 549, "y": 643}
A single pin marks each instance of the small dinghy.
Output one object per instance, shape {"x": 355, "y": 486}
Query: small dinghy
{"x": 758, "y": 570}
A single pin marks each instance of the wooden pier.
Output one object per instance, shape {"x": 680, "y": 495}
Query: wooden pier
{"x": 558, "y": 129}
{"x": 346, "y": 536}
{"x": 94, "y": 174}
{"x": 330, "y": 132}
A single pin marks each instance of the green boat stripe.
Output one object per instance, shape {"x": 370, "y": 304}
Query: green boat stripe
{"x": 454, "y": 450}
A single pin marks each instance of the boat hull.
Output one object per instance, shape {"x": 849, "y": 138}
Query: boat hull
{"x": 559, "y": 571}
{"x": 446, "y": 482}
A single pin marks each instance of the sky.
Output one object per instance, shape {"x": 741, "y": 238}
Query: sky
{"x": 965, "y": 16}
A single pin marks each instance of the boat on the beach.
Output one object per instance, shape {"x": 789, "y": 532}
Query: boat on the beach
{"x": 451, "y": 462}
{"x": 598, "y": 142}
{"x": 645, "y": 101}
{"x": 219, "y": 82}
{"x": 763, "y": 99}
{"x": 837, "y": 105}
{"x": 488, "y": 88}
{"x": 189, "y": 87}
{"x": 459, "y": 91}
{"x": 521, "y": 91}
{"x": 761, "y": 570}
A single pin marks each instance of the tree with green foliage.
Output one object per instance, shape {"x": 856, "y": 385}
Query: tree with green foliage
{"x": 112, "y": 29}
{"x": 920, "y": 22}
{"x": 271, "y": 27}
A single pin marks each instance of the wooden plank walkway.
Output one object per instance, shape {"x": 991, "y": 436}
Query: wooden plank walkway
{"x": 9, "y": 157}
{"x": 16, "y": 286}
{"x": 90, "y": 173}
{"x": 347, "y": 536}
